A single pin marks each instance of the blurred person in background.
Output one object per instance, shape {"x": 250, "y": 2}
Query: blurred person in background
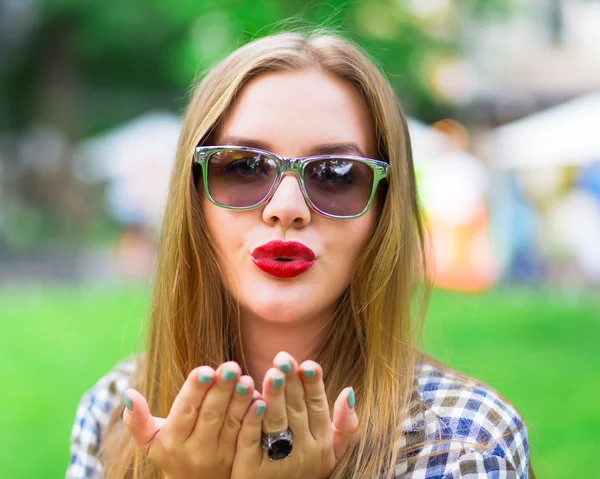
{"x": 291, "y": 252}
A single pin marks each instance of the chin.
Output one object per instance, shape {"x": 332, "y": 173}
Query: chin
{"x": 280, "y": 310}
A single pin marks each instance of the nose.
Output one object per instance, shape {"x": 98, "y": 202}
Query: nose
{"x": 287, "y": 205}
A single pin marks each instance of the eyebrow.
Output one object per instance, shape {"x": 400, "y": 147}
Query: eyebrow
{"x": 322, "y": 149}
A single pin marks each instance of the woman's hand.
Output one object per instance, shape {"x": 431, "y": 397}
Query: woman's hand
{"x": 295, "y": 398}
{"x": 198, "y": 438}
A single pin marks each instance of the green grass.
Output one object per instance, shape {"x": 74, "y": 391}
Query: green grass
{"x": 539, "y": 349}
{"x": 55, "y": 344}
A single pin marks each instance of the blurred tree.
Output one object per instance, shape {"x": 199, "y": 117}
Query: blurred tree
{"x": 89, "y": 64}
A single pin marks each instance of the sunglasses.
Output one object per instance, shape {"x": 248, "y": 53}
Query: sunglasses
{"x": 243, "y": 178}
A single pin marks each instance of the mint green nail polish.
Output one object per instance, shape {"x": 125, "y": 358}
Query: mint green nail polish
{"x": 285, "y": 367}
{"x": 309, "y": 373}
{"x": 278, "y": 382}
{"x": 241, "y": 389}
{"x": 351, "y": 398}
{"x": 204, "y": 378}
{"x": 228, "y": 374}
{"x": 127, "y": 402}
{"x": 260, "y": 410}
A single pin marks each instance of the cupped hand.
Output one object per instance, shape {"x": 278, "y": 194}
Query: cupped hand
{"x": 294, "y": 397}
{"x": 197, "y": 440}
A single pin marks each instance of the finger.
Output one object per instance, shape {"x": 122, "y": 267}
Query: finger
{"x": 256, "y": 395}
{"x": 345, "y": 422}
{"x": 242, "y": 398}
{"x": 297, "y": 414}
{"x": 184, "y": 413}
{"x": 249, "y": 450}
{"x": 142, "y": 426}
{"x": 274, "y": 393}
{"x": 214, "y": 407}
{"x": 319, "y": 420}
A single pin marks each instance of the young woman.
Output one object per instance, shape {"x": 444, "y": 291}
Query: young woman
{"x": 282, "y": 341}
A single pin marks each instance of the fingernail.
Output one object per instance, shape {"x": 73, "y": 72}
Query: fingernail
{"x": 127, "y": 401}
{"x": 241, "y": 389}
{"x": 309, "y": 373}
{"x": 204, "y": 378}
{"x": 228, "y": 374}
{"x": 350, "y": 398}
{"x": 285, "y": 366}
{"x": 278, "y": 382}
{"x": 260, "y": 410}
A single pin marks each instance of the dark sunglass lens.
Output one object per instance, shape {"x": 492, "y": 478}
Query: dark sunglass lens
{"x": 240, "y": 178}
{"x": 339, "y": 186}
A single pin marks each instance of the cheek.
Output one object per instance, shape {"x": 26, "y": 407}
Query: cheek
{"x": 347, "y": 241}
{"x": 229, "y": 231}
{"x": 223, "y": 232}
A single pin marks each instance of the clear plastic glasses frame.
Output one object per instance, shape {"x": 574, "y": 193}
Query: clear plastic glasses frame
{"x": 297, "y": 166}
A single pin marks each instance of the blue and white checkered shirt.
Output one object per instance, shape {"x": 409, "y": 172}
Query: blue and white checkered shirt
{"x": 445, "y": 408}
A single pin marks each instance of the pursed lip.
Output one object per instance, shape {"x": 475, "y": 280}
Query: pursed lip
{"x": 283, "y": 259}
{"x": 284, "y": 249}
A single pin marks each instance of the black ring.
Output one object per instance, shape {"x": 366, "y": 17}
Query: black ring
{"x": 277, "y": 444}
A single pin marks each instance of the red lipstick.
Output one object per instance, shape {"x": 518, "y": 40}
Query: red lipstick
{"x": 283, "y": 259}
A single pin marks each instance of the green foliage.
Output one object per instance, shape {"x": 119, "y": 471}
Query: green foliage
{"x": 150, "y": 51}
{"x": 539, "y": 349}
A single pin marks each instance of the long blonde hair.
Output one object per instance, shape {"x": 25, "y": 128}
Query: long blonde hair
{"x": 372, "y": 343}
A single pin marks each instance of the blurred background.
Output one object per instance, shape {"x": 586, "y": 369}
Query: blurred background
{"x": 503, "y": 98}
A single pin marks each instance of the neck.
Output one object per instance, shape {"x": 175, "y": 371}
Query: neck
{"x": 263, "y": 339}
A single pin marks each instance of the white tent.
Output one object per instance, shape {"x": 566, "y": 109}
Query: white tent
{"x": 136, "y": 160}
{"x": 567, "y": 134}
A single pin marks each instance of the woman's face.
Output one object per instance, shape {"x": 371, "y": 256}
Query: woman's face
{"x": 293, "y": 115}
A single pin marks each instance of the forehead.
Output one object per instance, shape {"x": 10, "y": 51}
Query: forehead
{"x": 295, "y": 111}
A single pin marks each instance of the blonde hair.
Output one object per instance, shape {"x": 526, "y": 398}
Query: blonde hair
{"x": 194, "y": 320}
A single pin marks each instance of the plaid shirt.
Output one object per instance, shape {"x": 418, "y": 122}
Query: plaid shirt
{"x": 443, "y": 408}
